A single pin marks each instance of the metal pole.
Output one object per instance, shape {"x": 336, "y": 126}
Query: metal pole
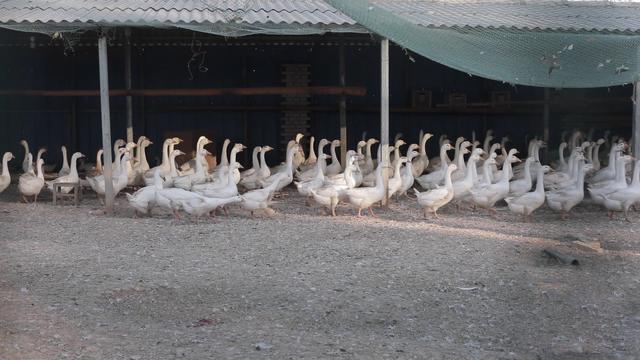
{"x": 384, "y": 114}
{"x": 636, "y": 119}
{"x": 546, "y": 116}
{"x": 106, "y": 123}
{"x": 127, "y": 82}
{"x": 343, "y": 110}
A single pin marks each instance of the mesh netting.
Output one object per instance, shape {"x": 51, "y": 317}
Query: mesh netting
{"x": 560, "y": 59}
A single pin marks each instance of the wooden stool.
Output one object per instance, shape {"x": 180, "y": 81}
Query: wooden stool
{"x": 76, "y": 193}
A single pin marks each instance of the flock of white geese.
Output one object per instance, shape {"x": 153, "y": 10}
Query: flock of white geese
{"x": 478, "y": 175}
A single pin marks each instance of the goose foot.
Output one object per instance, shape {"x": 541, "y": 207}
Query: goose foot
{"x": 359, "y": 212}
{"x": 226, "y": 212}
{"x": 333, "y": 211}
{"x": 425, "y": 213}
{"x": 371, "y": 211}
{"x": 435, "y": 214}
{"x": 24, "y": 199}
{"x": 135, "y": 214}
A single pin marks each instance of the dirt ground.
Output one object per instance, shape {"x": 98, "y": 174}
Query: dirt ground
{"x": 77, "y": 285}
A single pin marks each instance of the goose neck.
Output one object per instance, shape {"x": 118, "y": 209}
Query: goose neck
{"x": 74, "y": 165}
{"x": 65, "y": 162}
{"x": 312, "y": 153}
{"x": 635, "y": 181}
{"x": 40, "y": 173}
{"x": 224, "y": 160}
{"x": 263, "y": 163}
{"x": 540, "y": 181}
{"x": 5, "y": 166}
{"x": 165, "y": 153}
{"x": 254, "y": 158}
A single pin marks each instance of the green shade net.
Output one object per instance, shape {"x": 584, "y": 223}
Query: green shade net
{"x": 524, "y": 56}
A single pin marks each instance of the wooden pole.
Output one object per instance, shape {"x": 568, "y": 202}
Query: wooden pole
{"x": 546, "y": 116}
{"x": 106, "y": 123}
{"x": 127, "y": 82}
{"x": 384, "y": 115}
{"x": 636, "y": 119}
{"x": 343, "y": 110}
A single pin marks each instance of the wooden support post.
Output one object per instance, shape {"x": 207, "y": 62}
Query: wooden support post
{"x": 546, "y": 116}
{"x": 127, "y": 82}
{"x": 636, "y": 119}
{"x": 343, "y": 111}
{"x": 384, "y": 115}
{"x": 106, "y": 123}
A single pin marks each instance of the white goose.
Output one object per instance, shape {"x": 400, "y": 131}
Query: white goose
{"x": 71, "y": 178}
{"x": 198, "y": 177}
{"x": 623, "y": 199}
{"x": 431, "y": 180}
{"x": 255, "y": 164}
{"x": 30, "y": 184}
{"x": 461, "y": 169}
{"x": 366, "y": 165}
{"x": 565, "y": 199}
{"x": 395, "y": 182}
{"x": 173, "y": 170}
{"x": 608, "y": 172}
{"x": 5, "y": 176}
{"x": 529, "y": 202}
{"x": 164, "y": 167}
{"x": 260, "y": 199}
{"x": 432, "y": 200}
{"x": 486, "y": 196}
{"x": 312, "y": 172}
{"x": 141, "y": 165}
{"x": 420, "y": 163}
{"x": 364, "y": 198}
{"x": 522, "y": 186}
{"x": 287, "y": 172}
{"x": 305, "y": 187}
{"x": 199, "y": 206}
{"x": 620, "y": 182}
{"x": 351, "y": 177}
{"x": 27, "y": 163}
{"x": 221, "y": 171}
{"x": 143, "y": 200}
{"x": 310, "y": 162}
{"x": 462, "y": 187}
{"x": 119, "y": 181}
{"x": 220, "y": 190}
{"x": 65, "y": 163}
{"x": 335, "y": 167}
{"x": 189, "y": 167}
{"x": 253, "y": 181}
{"x": 408, "y": 170}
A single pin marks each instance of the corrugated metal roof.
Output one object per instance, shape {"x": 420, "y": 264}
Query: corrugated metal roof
{"x": 534, "y": 15}
{"x": 309, "y": 16}
{"x": 172, "y": 11}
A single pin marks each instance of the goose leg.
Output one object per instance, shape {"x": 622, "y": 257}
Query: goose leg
{"x": 359, "y": 212}
{"x": 24, "y": 198}
{"x": 226, "y": 212}
{"x": 435, "y": 214}
{"x": 333, "y": 211}
{"x": 611, "y": 215}
{"x": 371, "y": 211}
{"x": 626, "y": 215}
{"x": 35, "y": 198}
{"x": 425, "y": 213}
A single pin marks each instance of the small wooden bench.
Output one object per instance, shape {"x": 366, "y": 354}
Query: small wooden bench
{"x": 75, "y": 194}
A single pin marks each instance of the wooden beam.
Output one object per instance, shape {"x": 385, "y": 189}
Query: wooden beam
{"x": 343, "y": 109}
{"x": 106, "y": 123}
{"x": 384, "y": 115}
{"x": 300, "y": 90}
{"x": 127, "y": 82}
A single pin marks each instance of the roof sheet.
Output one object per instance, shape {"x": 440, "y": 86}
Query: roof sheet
{"x": 309, "y": 16}
{"x": 540, "y": 14}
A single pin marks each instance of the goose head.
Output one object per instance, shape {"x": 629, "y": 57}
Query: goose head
{"x": 335, "y": 143}
{"x": 465, "y": 144}
{"x": 299, "y": 137}
{"x": 459, "y": 141}
{"x": 361, "y": 144}
{"x": 206, "y": 141}
{"x": 266, "y": 148}
{"x": 42, "y": 151}
{"x": 176, "y": 140}
{"x": 413, "y": 147}
{"x": 600, "y": 142}
{"x": 8, "y": 156}
{"x": 447, "y": 146}
{"x": 146, "y": 142}
{"x": 119, "y": 143}
{"x": 546, "y": 168}
{"x": 451, "y": 168}
{"x": 322, "y": 143}
{"x": 238, "y": 147}
{"x": 23, "y": 143}
{"x": 464, "y": 151}
{"x": 427, "y": 136}
{"x": 399, "y": 143}
{"x": 372, "y": 141}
